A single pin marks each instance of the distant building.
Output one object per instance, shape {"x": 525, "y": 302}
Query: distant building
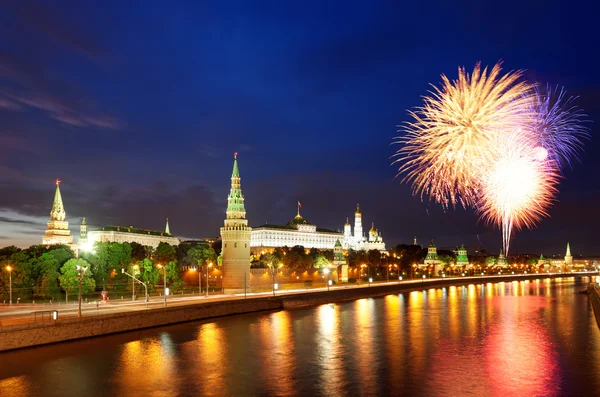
{"x": 58, "y": 228}
{"x": 299, "y": 231}
{"x": 130, "y": 234}
{"x": 461, "y": 256}
{"x": 432, "y": 256}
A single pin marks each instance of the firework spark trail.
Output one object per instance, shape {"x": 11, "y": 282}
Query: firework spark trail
{"x": 447, "y": 142}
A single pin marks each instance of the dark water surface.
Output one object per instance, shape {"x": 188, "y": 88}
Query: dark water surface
{"x": 506, "y": 339}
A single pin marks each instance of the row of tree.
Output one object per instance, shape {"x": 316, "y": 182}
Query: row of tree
{"x": 42, "y": 272}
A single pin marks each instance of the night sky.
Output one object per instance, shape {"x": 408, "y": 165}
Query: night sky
{"x": 138, "y": 107}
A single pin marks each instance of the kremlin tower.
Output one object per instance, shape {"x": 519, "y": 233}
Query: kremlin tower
{"x": 358, "y": 230}
{"x": 58, "y": 228}
{"x": 235, "y": 236}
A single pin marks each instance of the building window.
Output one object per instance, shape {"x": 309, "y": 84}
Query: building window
{"x": 234, "y": 245}
{"x": 245, "y": 245}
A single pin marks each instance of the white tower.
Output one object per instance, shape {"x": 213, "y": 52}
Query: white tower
{"x": 58, "y": 228}
{"x": 568, "y": 256}
{"x": 358, "y": 232}
{"x": 347, "y": 231}
{"x": 236, "y": 237}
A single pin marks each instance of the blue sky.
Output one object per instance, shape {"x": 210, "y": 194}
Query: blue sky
{"x": 138, "y": 107}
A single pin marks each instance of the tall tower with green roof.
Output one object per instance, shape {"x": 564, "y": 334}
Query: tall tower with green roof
{"x": 339, "y": 261}
{"x": 235, "y": 235}
{"x": 461, "y": 256}
{"x": 58, "y": 228}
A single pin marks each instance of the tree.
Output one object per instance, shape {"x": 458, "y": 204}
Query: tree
{"x": 69, "y": 280}
{"x": 199, "y": 255}
{"x": 174, "y": 279}
{"x": 138, "y": 252}
{"x": 149, "y": 273}
{"x": 164, "y": 254}
{"x": 321, "y": 262}
{"x": 374, "y": 257}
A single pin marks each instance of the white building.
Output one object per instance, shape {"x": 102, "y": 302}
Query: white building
{"x": 127, "y": 234}
{"x": 299, "y": 231}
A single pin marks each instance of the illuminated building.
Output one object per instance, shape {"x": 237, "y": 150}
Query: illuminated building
{"x": 461, "y": 256}
{"x": 128, "y": 234}
{"x": 568, "y": 257}
{"x": 58, "y": 228}
{"x": 300, "y": 232}
{"x": 339, "y": 261}
{"x": 235, "y": 235}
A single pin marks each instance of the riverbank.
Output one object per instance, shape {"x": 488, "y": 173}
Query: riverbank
{"x": 594, "y": 294}
{"x": 63, "y": 330}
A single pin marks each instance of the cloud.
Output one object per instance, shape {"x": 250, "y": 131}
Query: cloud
{"x": 12, "y": 220}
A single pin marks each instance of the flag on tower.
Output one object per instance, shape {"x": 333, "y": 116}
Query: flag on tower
{"x": 299, "y": 205}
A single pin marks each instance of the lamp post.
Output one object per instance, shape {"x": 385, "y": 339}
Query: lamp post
{"x": 81, "y": 272}
{"x": 207, "y": 266}
{"x": 164, "y": 283}
{"x": 199, "y": 280}
{"x": 326, "y": 271}
{"x": 133, "y": 279}
{"x": 9, "y": 270}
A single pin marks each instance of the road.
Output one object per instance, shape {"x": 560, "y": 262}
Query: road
{"x": 23, "y": 313}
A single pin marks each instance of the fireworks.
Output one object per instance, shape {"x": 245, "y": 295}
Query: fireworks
{"x": 447, "y": 142}
{"x": 492, "y": 142}
{"x": 518, "y": 186}
{"x": 559, "y": 125}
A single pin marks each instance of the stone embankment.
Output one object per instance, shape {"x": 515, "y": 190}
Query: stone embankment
{"x": 63, "y": 330}
{"x": 594, "y": 294}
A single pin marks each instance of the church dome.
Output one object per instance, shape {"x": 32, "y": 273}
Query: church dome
{"x": 373, "y": 230}
{"x": 298, "y": 220}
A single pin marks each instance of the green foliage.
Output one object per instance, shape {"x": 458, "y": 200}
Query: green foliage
{"x": 199, "y": 255}
{"x": 174, "y": 280}
{"x": 164, "y": 253}
{"x": 138, "y": 251}
{"x": 69, "y": 280}
{"x": 321, "y": 262}
{"x": 108, "y": 256}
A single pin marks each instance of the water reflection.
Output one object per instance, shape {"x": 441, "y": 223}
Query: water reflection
{"x": 525, "y": 338}
{"x": 155, "y": 359}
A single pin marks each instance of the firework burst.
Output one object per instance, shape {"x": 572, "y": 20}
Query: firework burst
{"x": 518, "y": 187}
{"x": 559, "y": 125}
{"x": 446, "y": 143}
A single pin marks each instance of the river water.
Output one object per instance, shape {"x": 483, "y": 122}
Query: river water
{"x": 531, "y": 338}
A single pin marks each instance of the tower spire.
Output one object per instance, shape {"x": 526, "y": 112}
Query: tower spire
{"x": 167, "y": 230}
{"x": 58, "y": 228}
{"x": 568, "y": 250}
{"x": 235, "y": 200}
{"x": 58, "y": 209}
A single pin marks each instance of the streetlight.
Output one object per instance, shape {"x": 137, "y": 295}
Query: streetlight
{"x": 9, "y": 270}
{"x": 164, "y": 283}
{"x": 207, "y": 266}
{"x": 133, "y": 279}
{"x": 136, "y": 280}
{"x": 326, "y": 271}
{"x": 81, "y": 272}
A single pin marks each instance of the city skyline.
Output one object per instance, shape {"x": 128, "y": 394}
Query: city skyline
{"x": 143, "y": 129}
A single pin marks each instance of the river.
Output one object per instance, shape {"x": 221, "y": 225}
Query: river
{"x": 527, "y": 338}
